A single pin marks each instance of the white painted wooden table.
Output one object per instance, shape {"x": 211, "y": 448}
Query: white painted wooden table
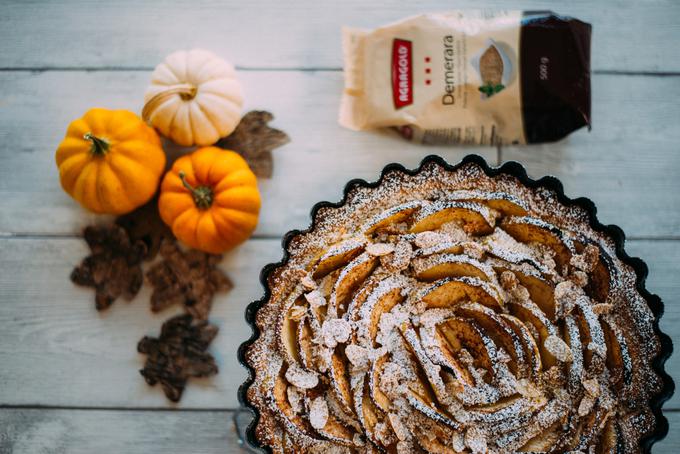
{"x": 68, "y": 375}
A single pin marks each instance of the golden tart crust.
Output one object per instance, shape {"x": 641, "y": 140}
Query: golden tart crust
{"x": 453, "y": 311}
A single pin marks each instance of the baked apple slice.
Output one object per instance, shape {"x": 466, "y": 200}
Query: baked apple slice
{"x": 369, "y": 415}
{"x": 506, "y": 204}
{"x": 439, "y": 266}
{"x": 619, "y": 361}
{"x": 350, "y": 279}
{"x": 395, "y": 215}
{"x": 334, "y": 429}
{"x": 283, "y": 409}
{"x": 466, "y": 334}
{"x": 451, "y": 291}
{"x": 476, "y": 218}
{"x": 340, "y": 379}
{"x": 498, "y": 329}
{"x": 382, "y": 299}
{"x": 530, "y": 313}
{"x": 380, "y": 399}
{"x": 338, "y": 256}
{"x": 528, "y": 230}
{"x": 531, "y": 352}
{"x": 541, "y": 290}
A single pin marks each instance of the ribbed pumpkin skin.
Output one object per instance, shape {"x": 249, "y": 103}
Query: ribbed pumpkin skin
{"x": 120, "y": 179}
{"x": 208, "y": 105}
{"x": 231, "y": 217}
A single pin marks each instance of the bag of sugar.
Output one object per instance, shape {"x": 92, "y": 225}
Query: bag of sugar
{"x": 470, "y": 77}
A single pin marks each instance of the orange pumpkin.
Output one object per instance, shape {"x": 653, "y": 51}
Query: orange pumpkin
{"x": 110, "y": 161}
{"x": 210, "y": 199}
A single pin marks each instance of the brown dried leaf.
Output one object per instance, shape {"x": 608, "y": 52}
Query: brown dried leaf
{"x": 188, "y": 278}
{"x": 114, "y": 266}
{"x": 178, "y": 354}
{"x": 145, "y": 224}
{"x": 254, "y": 140}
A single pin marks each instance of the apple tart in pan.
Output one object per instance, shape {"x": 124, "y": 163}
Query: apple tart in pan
{"x": 456, "y": 310}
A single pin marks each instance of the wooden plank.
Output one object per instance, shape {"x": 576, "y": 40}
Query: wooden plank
{"x": 159, "y": 432}
{"x": 629, "y": 35}
{"x": 629, "y": 168}
{"x": 24, "y": 431}
{"x": 663, "y": 260}
{"x": 37, "y": 107}
{"x": 629, "y": 164}
{"x": 57, "y": 350}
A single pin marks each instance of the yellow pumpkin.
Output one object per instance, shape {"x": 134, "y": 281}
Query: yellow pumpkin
{"x": 210, "y": 199}
{"x": 110, "y": 161}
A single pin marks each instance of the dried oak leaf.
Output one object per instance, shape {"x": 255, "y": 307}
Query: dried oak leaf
{"x": 113, "y": 268}
{"x": 178, "y": 354}
{"x": 145, "y": 224}
{"x": 254, "y": 140}
{"x": 189, "y": 278}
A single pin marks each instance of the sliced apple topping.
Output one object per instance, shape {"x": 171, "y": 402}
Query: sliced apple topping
{"x": 541, "y": 290}
{"x": 429, "y": 408}
{"x": 509, "y": 408}
{"x": 545, "y": 441}
{"x": 533, "y": 230}
{"x": 369, "y": 415}
{"x": 305, "y": 337}
{"x": 437, "y": 347}
{"x": 380, "y": 399}
{"x": 446, "y": 246}
{"x": 429, "y": 373}
{"x": 340, "y": 379}
{"x": 291, "y": 420}
{"x": 338, "y": 256}
{"x": 459, "y": 323}
{"x": 592, "y": 335}
{"x": 531, "y": 351}
{"x": 395, "y": 215}
{"x": 350, "y": 279}
{"x": 500, "y": 332}
{"x": 451, "y": 291}
{"x": 476, "y": 219}
{"x": 573, "y": 339}
{"x": 599, "y": 266}
{"x": 287, "y": 327}
{"x": 532, "y": 315}
{"x": 432, "y": 436}
{"x": 382, "y": 299}
{"x": 505, "y": 203}
{"x": 438, "y": 266}
{"x": 619, "y": 361}
{"x": 466, "y": 334}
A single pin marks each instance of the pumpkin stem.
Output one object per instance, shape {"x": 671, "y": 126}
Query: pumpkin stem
{"x": 99, "y": 146}
{"x": 203, "y": 195}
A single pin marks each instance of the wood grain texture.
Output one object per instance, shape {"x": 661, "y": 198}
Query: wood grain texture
{"x": 25, "y": 431}
{"x": 663, "y": 260}
{"x": 628, "y": 164}
{"x": 315, "y": 166}
{"x": 57, "y": 350}
{"x": 104, "y": 431}
{"x": 629, "y": 35}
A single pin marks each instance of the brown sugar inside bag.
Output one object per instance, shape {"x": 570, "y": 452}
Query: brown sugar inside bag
{"x": 472, "y": 77}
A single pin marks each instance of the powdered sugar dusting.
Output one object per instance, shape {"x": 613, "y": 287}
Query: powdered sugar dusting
{"x": 450, "y": 374}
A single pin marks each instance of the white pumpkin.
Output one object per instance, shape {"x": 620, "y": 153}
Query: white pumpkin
{"x": 194, "y": 98}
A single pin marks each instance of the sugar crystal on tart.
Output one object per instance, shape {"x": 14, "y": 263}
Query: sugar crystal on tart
{"x": 449, "y": 311}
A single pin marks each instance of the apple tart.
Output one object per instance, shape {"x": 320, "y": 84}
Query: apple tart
{"x": 453, "y": 310}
